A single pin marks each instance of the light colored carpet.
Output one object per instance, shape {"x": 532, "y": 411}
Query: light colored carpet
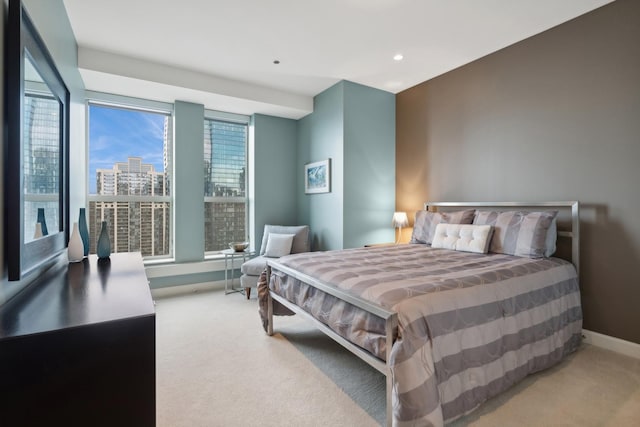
{"x": 217, "y": 367}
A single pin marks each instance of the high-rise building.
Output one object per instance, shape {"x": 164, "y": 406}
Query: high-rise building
{"x": 131, "y": 178}
{"x": 138, "y": 223}
{"x": 225, "y": 148}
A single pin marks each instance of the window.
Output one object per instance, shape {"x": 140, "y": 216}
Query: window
{"x": 129, "y": 178}
{"x": 225, "y": 182}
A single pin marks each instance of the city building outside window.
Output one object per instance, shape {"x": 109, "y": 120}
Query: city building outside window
{"x": 225, "y": 182}
{"x": 129, "y": 179}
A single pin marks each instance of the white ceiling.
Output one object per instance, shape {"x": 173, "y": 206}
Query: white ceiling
{"x": 221, "y": 52}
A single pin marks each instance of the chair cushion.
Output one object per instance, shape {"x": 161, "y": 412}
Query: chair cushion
{"x": 301, "y": 240}
{"x": 254, "y": 266}
{"x": 247, "y": 281}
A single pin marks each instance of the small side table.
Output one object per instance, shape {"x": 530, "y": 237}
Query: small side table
{"x": 229, "y": 257}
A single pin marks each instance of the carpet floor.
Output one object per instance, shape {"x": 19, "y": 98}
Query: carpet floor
{"x": 217, "y": 367}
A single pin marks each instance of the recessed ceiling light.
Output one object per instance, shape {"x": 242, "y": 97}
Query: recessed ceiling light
{"x": 398, "y": 57}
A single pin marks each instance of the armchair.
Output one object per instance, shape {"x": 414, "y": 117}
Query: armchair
{"x": 251, "y": 269}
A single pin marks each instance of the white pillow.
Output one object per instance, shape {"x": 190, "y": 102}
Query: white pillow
{"x": 463, "y": 237}
{"x": 278, "y": 245}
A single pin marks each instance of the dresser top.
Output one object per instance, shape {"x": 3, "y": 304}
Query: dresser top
{"x": 83, "y": 293}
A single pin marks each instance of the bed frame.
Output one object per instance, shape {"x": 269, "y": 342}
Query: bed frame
{"x": 570, "y": 228}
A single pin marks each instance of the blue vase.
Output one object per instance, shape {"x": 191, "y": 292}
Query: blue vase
{"x": 84, "y": 231}
{"x": 42, "y": 221}
{"x": 104, "y": 244}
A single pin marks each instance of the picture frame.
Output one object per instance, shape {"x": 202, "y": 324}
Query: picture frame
{"x": 317, "y": 177}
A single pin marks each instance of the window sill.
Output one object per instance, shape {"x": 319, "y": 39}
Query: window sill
{"x": 168, "y": 268}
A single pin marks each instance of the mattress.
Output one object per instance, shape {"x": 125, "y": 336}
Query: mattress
{"x": 469, "y": 325}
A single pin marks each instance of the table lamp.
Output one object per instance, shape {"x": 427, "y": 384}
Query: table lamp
{"x": 399, "y": 220}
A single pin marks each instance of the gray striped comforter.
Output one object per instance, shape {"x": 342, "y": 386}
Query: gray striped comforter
{"x": 470, "y": 325}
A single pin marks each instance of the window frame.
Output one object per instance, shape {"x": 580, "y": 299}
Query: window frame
{"x": 142, "y": 105}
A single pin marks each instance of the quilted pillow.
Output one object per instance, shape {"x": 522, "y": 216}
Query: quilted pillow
{"x": 518, "y": 233}
{"x": 463, "y": 237}
{"x": 425, "y": 223}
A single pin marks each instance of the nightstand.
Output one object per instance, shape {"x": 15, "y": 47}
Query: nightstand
{"x": 229, "y": 256}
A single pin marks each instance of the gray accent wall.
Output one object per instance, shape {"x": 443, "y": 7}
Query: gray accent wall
{"x": 554, "y": 117}
{"x": 353, "y": 125}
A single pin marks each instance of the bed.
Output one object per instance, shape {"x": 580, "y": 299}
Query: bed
{"x": 450, "y": 326}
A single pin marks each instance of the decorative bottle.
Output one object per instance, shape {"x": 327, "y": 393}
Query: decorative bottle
{"x": 104, "y": 244}
{"x": 84, "y": 231}
{"x": 76, "y": 248}
{"x": 38, "y": 233}
{"x": 42, "y": 222}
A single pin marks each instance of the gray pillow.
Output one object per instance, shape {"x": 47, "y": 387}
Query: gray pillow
{"x": 301, "y": 241}
{"x": 552, "y": 236}
{"x": 278, "y": 245}
{"x": 424, "y": 226}
{"x": 518, "y": 233}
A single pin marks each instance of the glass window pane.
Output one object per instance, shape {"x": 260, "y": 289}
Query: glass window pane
{"x": 129, "y": 179}
{"x": 225, "y": 165}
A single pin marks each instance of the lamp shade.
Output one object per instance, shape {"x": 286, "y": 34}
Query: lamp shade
{"x": 400, "y": 219}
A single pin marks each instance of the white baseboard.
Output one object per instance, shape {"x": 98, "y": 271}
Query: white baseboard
{"x": 158, "y": 269}
{"x": 170, "y": 291}
{"x": 627, "y": 348}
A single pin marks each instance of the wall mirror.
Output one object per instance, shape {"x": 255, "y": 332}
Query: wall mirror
{"x": 36, "y": 161}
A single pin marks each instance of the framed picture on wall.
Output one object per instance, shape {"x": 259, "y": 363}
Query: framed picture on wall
{"x": 317, "y": 177}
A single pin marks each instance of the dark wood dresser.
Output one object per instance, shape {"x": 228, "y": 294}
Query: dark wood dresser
{"x": 77, "y": 348}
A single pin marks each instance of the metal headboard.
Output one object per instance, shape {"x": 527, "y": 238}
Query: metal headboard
{"x": 573, "y": 233}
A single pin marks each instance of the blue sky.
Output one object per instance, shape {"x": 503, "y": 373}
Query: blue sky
{"x": 116, "y": 134}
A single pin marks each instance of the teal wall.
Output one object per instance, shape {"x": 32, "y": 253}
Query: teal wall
{"x": 320, "y": 137}
{"x": 369, "y": 159}
{"x": 272, "y": 185}
{"x": 52, "y": 23}
{"x": 350, "y": 125}
{"x": 354, "y": 126}
{"x": 275, "y": 174}
{"x": 188, "y": 182}
{"x": 51, "y": 20}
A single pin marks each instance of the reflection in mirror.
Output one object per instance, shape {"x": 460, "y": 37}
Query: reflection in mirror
{"x": 36, "y": 150}
{"x": 41, "y": 150}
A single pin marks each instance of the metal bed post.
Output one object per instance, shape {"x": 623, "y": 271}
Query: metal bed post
{"x": 269, "y": 304}
{"x": 391, "y": 325}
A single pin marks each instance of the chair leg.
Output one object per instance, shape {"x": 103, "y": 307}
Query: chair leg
{"x": 247, "y": 292}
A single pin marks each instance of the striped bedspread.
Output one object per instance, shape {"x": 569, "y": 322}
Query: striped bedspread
{"x": 469, "y": 325}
